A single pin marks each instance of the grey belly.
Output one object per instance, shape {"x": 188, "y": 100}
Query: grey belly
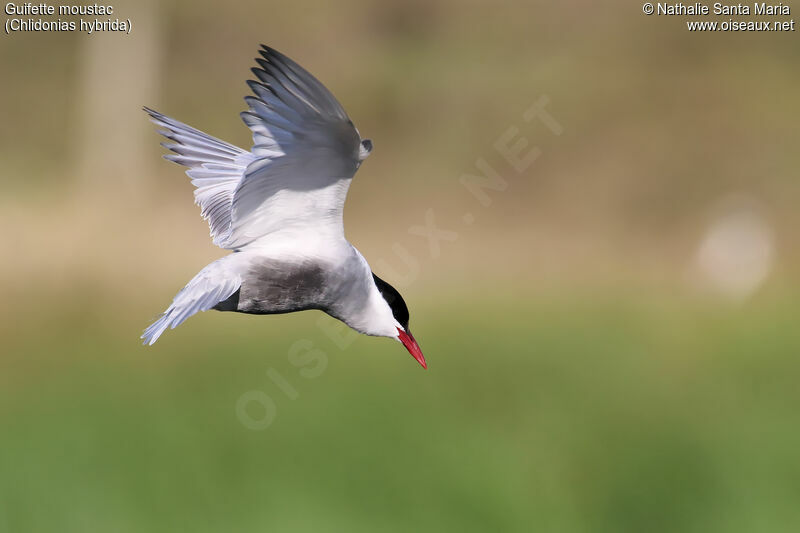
{"x": 272, "y": 287}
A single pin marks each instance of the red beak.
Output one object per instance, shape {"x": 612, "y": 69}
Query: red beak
{"x": 411, "y": 345}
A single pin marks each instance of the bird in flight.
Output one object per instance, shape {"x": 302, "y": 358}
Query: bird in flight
{"x": 278, "y": 208}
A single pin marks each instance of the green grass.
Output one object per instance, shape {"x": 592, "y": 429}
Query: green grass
{"x": 601, "y": 413}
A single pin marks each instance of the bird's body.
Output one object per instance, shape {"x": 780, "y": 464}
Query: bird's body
{"x": 278, "y": 208}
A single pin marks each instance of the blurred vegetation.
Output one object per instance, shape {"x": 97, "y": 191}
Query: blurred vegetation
{"x": 569, "y": 414}
{"x": 586, "y": 372}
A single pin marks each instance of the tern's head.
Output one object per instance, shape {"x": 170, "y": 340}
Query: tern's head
{"x": 364, "y": 149}
{"x": 396, "y": 322}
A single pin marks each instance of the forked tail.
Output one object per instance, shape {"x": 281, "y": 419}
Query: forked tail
{"x": 214, "y": 284}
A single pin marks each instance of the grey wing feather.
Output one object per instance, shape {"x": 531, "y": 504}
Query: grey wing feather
{"x": 305, "y": 152}
{"x": 215, "y": 167}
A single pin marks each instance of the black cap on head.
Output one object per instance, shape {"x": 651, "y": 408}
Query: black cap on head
{"x": 395, "y": 301}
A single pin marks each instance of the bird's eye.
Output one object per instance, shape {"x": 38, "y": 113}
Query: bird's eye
{"x": 364, "y": 149}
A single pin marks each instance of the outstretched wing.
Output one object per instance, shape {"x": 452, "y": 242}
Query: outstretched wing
{"x": 305, "y": 151}
{"x": 216, "y": 168}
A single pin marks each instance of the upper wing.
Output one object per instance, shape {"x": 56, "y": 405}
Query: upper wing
{"x": 216, "y": 168}
{"x": 305, "y": 151}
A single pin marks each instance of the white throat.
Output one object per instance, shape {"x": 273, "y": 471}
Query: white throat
{"x": 373, "y": 316}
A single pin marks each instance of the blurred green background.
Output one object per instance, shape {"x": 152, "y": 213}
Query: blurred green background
{"x": 612, "y": 338}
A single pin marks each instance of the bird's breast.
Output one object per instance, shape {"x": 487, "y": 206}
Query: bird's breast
{"x": 274, "y": 286}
